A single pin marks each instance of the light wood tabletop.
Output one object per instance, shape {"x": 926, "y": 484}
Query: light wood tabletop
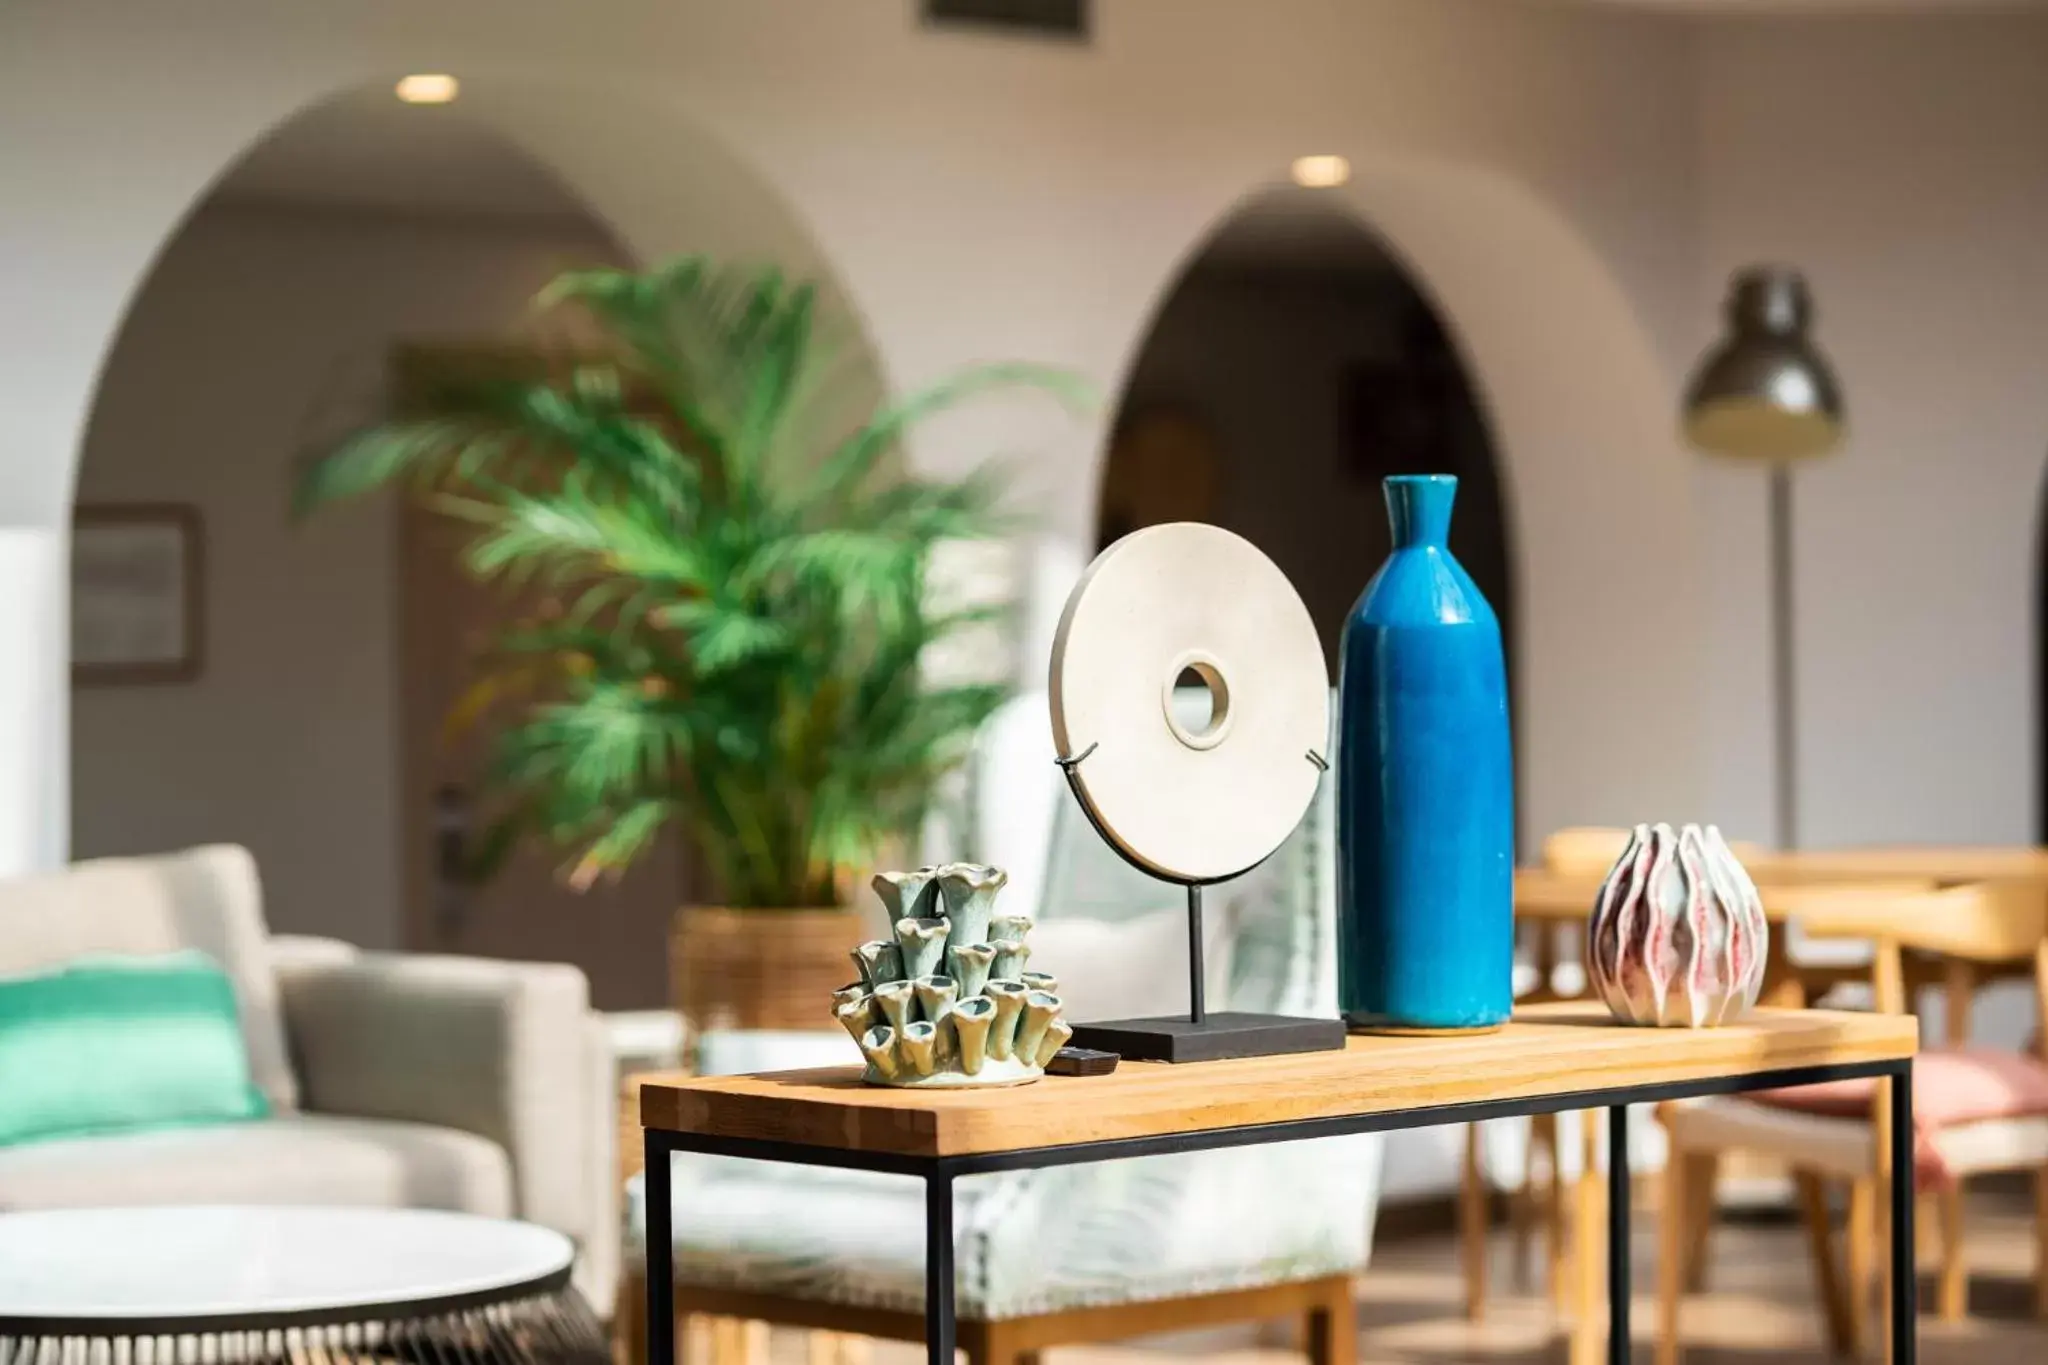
{"x": 1550, "y": 1049}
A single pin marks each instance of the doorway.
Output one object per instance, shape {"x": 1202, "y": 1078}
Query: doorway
{"x": 1294, "y": 364}
{"x": 311, "y": 727}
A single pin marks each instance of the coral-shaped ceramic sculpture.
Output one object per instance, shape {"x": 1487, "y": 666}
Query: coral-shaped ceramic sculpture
{"x": 1677, "y": 936}
{"x": 946, "y": 1001}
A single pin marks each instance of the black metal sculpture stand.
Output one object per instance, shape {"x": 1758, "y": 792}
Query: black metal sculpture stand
{"x": 1201, "y": 1036}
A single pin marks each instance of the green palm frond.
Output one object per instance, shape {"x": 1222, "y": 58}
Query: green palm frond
{"x": 722, "y": 637}
{"x": 572, "y": 532}
{"x": 854, "y": 461}
{"x": 738, "y": 614}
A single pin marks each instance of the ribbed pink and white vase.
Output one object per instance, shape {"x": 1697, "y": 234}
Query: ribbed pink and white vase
{"x": 1678, "y": 934}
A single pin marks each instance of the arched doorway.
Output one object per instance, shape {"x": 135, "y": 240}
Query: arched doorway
{"x": 664, "y": 178}
{"x": 356, "y": 251}
{"x": 1295, "y": 363}
{"x": 1589, "y": 466}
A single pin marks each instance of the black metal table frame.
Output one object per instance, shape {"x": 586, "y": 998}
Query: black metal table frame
{"x": 939, "y": 1173}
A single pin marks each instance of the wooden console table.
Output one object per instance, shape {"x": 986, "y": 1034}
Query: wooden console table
{"x": 1553, "y": 1057}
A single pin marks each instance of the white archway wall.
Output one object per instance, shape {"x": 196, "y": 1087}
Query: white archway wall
{"x": 1596, "y": 492}
{"x": 1595, "y": 488}
{"x": 262, "y": 332}
{"x": 707, "y": 199}
{"x": 981, "y": 198}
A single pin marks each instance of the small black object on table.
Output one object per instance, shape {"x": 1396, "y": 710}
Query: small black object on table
{"x": 1080, "y": 1061}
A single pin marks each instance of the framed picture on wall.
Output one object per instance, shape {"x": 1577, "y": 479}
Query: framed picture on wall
{"x": 137, "y": 597}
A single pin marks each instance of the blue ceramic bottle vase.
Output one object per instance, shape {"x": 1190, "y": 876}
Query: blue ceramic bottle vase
{"x": 1425, "y": 835}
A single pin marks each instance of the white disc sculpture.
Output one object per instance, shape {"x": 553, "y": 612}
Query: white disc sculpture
{"x": 1188, "y": 801}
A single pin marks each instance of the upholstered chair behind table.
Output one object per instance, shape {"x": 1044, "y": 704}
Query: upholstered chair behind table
{"x": 1073, "y": 1253}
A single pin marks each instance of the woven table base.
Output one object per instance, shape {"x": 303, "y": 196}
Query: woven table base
{"x": 547, "y": 1329}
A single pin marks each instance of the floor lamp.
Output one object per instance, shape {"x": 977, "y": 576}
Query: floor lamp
{"x": 1764, "y": 394}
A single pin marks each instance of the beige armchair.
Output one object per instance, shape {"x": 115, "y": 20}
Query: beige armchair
{"x": 393, "y": 1080}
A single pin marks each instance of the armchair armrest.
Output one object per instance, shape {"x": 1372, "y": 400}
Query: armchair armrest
{"x": 509, "y": 1051}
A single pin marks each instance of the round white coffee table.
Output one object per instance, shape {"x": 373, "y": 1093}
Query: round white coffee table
{"x": 382, "y": 1284}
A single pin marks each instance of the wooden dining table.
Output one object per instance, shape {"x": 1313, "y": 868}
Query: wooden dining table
{"x": 1794, "y": 888}
{"x": 1789, "y": 891}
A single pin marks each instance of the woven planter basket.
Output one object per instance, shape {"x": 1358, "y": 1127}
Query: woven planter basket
{"x": 760, "y": 969}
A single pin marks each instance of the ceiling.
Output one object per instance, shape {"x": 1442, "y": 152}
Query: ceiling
{"x": 1738, "y": 7}
{"x": 369, "y": 150}
{"x": 1822, "y": 6}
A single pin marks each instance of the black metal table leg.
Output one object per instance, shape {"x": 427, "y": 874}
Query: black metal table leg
{"x": 938, "y": 1270}
{"x": 1905, "y": 1281}
{"x": 1618, "y": 1286}
{"x": 661, "y": 1250}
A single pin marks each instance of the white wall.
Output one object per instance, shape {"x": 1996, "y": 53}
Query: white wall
{"x": 261, "y": 332}
{"x": 1571, "y": 183}
{"x": 980, "y": 197}
{"x": 1901, "y": 162}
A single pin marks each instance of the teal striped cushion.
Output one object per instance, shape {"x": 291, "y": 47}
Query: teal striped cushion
{"x": 106, "y": 1044}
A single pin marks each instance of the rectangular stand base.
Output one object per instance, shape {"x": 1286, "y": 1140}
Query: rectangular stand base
{"x": 1218, "y": 1036}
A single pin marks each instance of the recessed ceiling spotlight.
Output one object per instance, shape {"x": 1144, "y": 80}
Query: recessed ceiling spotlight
{"x": 1321, "y": 172}
{"x": 429, "y": 87}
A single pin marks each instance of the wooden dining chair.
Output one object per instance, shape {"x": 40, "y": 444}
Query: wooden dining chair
{"x": 1976, "y": 1111}
{"x": 1568, "y": 1214}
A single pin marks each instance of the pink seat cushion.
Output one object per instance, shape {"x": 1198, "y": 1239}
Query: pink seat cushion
{"x": 1951, "y": 1086}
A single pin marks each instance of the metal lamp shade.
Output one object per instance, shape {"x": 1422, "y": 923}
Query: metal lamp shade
{"x": 1765, "y": 392}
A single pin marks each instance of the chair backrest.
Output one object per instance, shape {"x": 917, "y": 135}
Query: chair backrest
{"x": 1270, "y": 934}
{"x": 1969, "y": 927}
{"x": 1014, "y": 791}
{"x": 1578, "y": 850}
{"x": 1583, "y": 848}
{"x": 1986, "y": 922}
{"x": 205, "y": 898}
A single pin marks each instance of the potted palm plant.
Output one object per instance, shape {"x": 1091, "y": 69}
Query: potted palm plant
{"x": 737, "y": 609}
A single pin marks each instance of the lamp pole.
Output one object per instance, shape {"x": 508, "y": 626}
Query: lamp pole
{"x": 1784, "y": 663}
{"x": 1764, "y": 392}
